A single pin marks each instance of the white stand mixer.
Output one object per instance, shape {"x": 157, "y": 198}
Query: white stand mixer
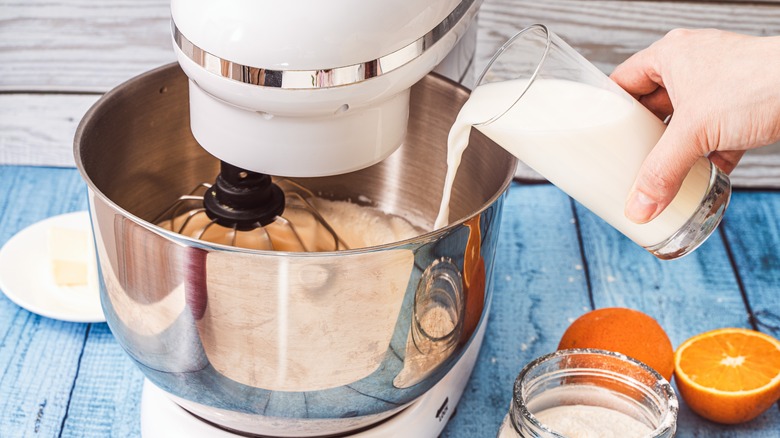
{"x": 311, "y": 88}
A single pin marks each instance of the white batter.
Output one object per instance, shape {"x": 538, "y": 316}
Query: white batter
{"x": 358, "y": 226}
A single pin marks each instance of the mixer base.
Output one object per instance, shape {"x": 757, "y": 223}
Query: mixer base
{"x": 425, "y": 418}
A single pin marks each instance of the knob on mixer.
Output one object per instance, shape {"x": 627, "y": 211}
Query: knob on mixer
{"x": 242, "y": 198}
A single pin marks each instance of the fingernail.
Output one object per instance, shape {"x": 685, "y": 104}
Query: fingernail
{"x": 640, "y": 208}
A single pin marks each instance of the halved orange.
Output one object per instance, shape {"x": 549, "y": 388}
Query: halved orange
{"x": 729, "y": 375}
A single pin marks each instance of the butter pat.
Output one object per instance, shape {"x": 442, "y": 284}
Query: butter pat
{"x": 69, "y": 253}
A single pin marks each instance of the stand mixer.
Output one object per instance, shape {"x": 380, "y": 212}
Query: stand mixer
{"x": 257, "y": 341}
{"x": 270, "y": 98}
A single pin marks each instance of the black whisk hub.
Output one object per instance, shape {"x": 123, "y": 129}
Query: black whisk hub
{"x": 243, "y": 199}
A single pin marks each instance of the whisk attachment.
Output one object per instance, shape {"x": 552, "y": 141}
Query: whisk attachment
{"x": 252, "y": 210}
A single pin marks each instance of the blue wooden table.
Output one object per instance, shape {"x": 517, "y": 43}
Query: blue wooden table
{"x": 555, "y": 261}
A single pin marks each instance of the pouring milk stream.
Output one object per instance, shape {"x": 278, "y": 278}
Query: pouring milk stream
{"x": 586, "y": 136}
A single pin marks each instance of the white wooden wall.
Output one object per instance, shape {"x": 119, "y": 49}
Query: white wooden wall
{"x": 58, "y": 57}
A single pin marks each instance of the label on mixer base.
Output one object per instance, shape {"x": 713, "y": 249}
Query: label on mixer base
{"x": 441, "y": 414}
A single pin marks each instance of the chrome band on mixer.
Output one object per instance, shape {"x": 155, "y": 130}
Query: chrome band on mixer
{"x": 325, "y": 77}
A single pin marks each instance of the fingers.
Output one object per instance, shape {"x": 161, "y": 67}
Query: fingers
{"x": 726, "y": 160}
{"x": 663, "y": 172}
{"x": 638, "y": 74}
{"x": 640, "y": 78}
{"x": 658, "y": 102}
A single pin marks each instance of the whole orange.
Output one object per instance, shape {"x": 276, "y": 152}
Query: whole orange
{"x": 625, "y": 331}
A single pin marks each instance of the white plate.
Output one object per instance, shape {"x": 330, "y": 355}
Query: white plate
{"x": 27, "y": 280}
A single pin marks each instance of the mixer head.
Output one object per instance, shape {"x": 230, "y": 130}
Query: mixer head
{"x": 277, "y": 95}
{"x": 249, "y": 210}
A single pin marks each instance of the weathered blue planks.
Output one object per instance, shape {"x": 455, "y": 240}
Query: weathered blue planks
{"x": 58, "y": 377}
{"x": 64, "y": 379}
{"x": 539, "y": 286}
{"x": 39, "y": 357}
{"x": 686, "y": 296}
{"x": 697, "y": 293}
{"x": 752, "y": 230}
{"x": 106, "y": 398}
{"x": 38, "y": 364}
{"x": 752, "y": 227}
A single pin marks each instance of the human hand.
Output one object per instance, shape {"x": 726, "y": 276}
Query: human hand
{"x": 723, "y": 92}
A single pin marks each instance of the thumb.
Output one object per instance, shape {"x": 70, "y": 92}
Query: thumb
{"x": 663, "y": 171}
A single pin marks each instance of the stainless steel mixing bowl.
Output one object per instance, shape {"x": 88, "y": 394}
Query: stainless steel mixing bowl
{"x": 289, "y": 344}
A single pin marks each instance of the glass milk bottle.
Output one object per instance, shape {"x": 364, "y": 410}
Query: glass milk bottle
{"x": 590, "y": 393}
{"x": 555, "y": 111}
